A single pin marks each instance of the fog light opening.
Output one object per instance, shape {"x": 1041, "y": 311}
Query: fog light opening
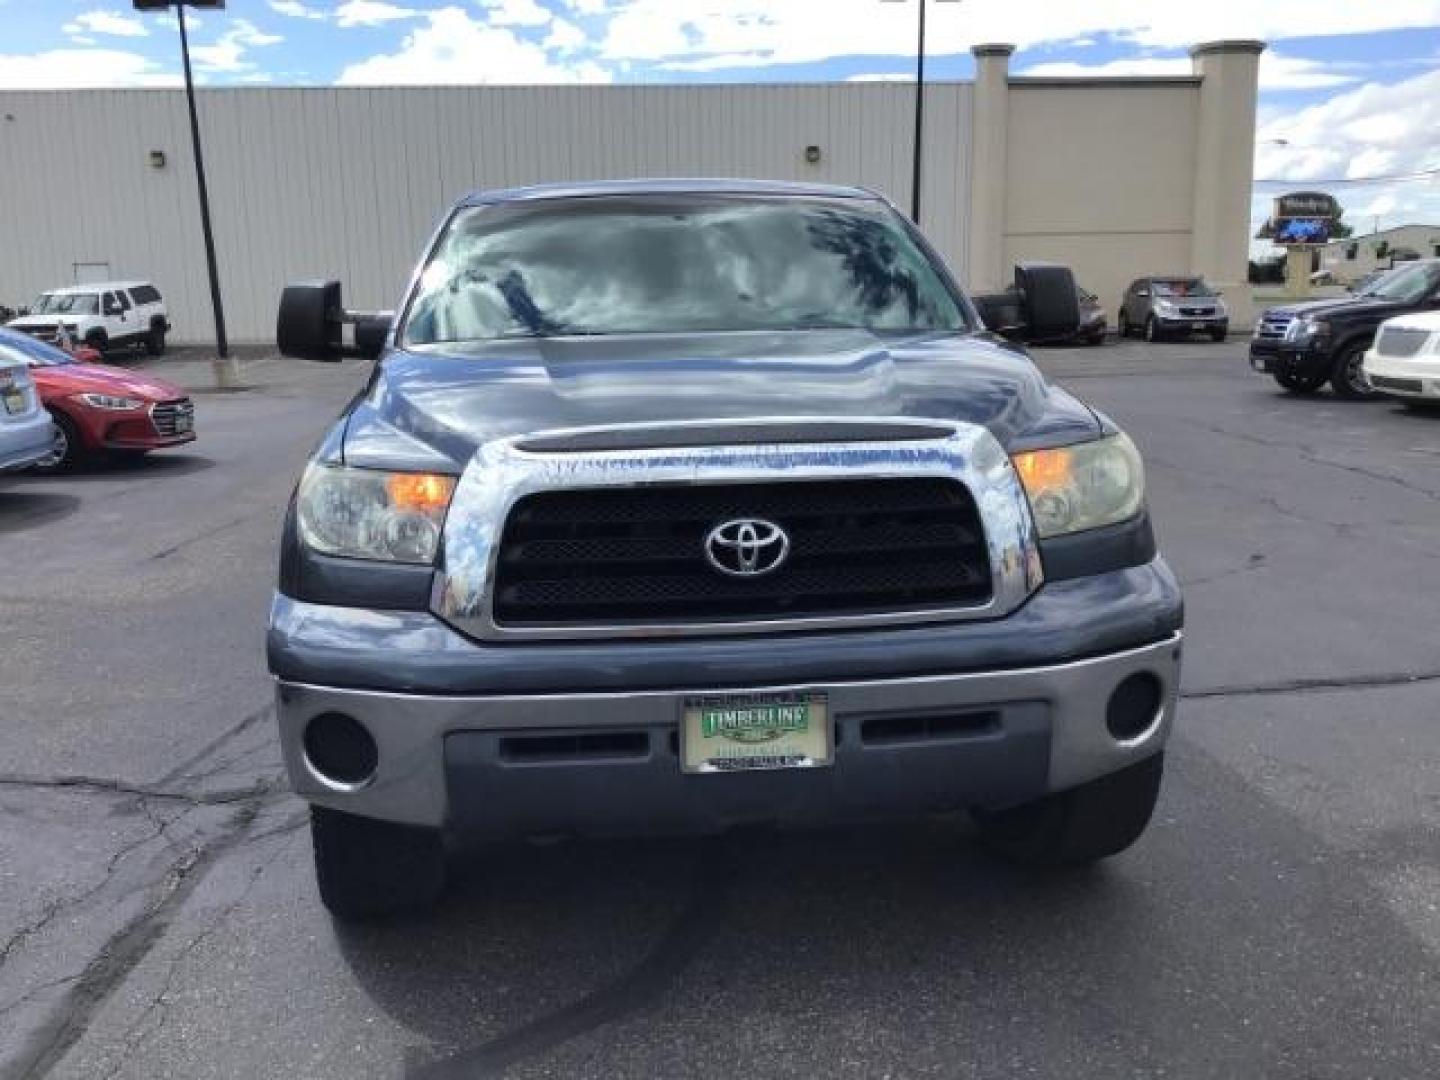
{"x": 1134, "y": 706}
{"x": 340, "y": 751}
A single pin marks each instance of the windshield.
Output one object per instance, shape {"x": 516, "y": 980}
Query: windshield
{"x": 1182, "y": 287}
{"x": 692, "y": 264}
{"x": 1406, "y": 285}
{"x": 64, "y": 303}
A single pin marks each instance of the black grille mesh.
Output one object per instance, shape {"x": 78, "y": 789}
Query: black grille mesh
{"x": 636, "y": 555}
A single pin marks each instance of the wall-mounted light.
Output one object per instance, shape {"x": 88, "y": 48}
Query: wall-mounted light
{"x": 157, "y": 159}
{"x": 812, "y": 154}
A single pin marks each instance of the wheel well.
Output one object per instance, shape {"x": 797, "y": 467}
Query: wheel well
{"x": 75, "y": 425}
{"x": 97, "y": 334}
{"x": 157, "y": 322}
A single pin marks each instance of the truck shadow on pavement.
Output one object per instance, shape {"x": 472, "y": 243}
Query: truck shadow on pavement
{"x": 796, "y": 952}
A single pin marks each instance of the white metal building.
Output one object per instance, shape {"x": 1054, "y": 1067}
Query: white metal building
{"x": 1352, "y": 258}
{"x": 1118, "y": 177}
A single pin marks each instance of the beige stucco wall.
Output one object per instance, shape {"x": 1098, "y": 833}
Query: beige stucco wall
{"x": 1100, "y": 175}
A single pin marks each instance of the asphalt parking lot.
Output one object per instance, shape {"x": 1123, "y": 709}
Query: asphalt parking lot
{"x": 1281, "y": 918}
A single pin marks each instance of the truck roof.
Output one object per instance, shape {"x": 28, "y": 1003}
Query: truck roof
{"x": 589, "y": 189}
{"x": 98, "y": 286}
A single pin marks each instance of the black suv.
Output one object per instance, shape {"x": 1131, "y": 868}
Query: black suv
{"x": 1307, "y": 344}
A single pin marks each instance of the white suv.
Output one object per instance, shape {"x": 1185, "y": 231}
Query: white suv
{"x": 107, "y": 316}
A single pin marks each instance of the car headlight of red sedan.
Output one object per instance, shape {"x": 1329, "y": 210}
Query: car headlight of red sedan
{"x": 111, "y": 402}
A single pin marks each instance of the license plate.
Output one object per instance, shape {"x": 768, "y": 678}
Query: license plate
{"x": 1197, "y": 326}
{"x": 745, "y": 732}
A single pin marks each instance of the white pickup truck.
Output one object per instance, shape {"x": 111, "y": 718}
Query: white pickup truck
{"x": 105, "y": 316}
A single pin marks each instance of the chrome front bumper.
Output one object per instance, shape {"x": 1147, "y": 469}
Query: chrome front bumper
{"x": 437, "y": 753}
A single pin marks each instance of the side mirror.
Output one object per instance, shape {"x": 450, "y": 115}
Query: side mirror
{"x": 371, "y": 332}
{"x": 1142, "y": 292}
{"x": 311, "y": 322}
{"x": 1049, "y": 302}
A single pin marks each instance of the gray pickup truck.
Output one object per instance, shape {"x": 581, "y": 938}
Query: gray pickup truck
{"x": 673, "y": 506}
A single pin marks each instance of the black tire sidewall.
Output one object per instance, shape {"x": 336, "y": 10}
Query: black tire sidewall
{"x": 74, "y": 447}
{"x": 1339, "y": 374}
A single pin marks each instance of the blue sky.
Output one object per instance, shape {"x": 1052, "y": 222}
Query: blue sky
{"x": 1349, "y": 88}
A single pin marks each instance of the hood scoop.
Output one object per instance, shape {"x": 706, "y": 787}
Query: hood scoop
{"x": 704, "y": 433}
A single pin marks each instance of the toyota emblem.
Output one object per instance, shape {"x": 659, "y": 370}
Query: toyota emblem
{"x": 747, "y": 547}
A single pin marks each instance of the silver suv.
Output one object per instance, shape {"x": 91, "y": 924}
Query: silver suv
{"x": 1161, "y": 307}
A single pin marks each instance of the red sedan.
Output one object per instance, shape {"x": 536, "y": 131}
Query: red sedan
{"x": 99, "y": 409}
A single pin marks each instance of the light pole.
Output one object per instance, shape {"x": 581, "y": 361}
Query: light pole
{"x": 222, "y": 346}
{"x": 919, "y": 106}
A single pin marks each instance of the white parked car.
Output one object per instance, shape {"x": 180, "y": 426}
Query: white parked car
{"x": 1404, "y": 360}
{"x": 111, "y": 315}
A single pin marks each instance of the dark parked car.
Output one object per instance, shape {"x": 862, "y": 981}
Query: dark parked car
{"x": 678, "y": 505}
{"x": 1172, "y": 307}
{"x": 1303, "y": 346}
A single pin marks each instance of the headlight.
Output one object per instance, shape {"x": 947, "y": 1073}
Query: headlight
{"x": 1165, "y": 307}
{"x": 367, "y": 514}
{"x": 1074, "y": 488}
{"x": 1306, "y": 329}
{"x": 109, "y": 401}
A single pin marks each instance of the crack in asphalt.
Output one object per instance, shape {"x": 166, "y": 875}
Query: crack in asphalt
{"x": 1314, "y": 686}
{"x": 135, "y": 1034}
{"x": 109, "y": 786}
{"x": 125, "y": 949}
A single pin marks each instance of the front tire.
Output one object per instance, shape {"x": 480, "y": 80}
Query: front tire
{"x": 99, "y": 341}
{"x": 1081, "y": 825}
{"x": 1152, "y": 329}
{"x": 67, "y": 449}
{"x": 369, "y": 869}
{"x": 1348, "y": 378}
{"x": 1217, "y": 335}
{"x": 155, "y": 342}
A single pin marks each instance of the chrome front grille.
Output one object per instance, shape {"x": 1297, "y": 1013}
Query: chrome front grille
{"x": 1273, "y": 328}
{"x": 174, "y": 417}
{"x": 607, "y": 543}
{"x": 1400, "y": 341}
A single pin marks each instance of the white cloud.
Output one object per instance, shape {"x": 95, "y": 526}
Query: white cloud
{"x": 452, "y": 47}
{"x": 564, "y": 37}
{"x": 227, "y": 54}
{"x": 1277, "y": 71}
{"x": 83, "y": 68}
{"x": 586, "y": 7}
{"x": 371, "y": 13}
{"x": 515, "y": 13}
{"x": 795, "y": 31}
{"x": 106, "y": 22}
{"x": 295, "y": 9}
{"x": 1371, "y": 130}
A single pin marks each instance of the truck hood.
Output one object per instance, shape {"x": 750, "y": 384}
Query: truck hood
{"x": 432, "y": 406}
{"x": 104, "y": 379}
{"x": 1343, "y": 306}
{"x": 1417, "y": 320}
